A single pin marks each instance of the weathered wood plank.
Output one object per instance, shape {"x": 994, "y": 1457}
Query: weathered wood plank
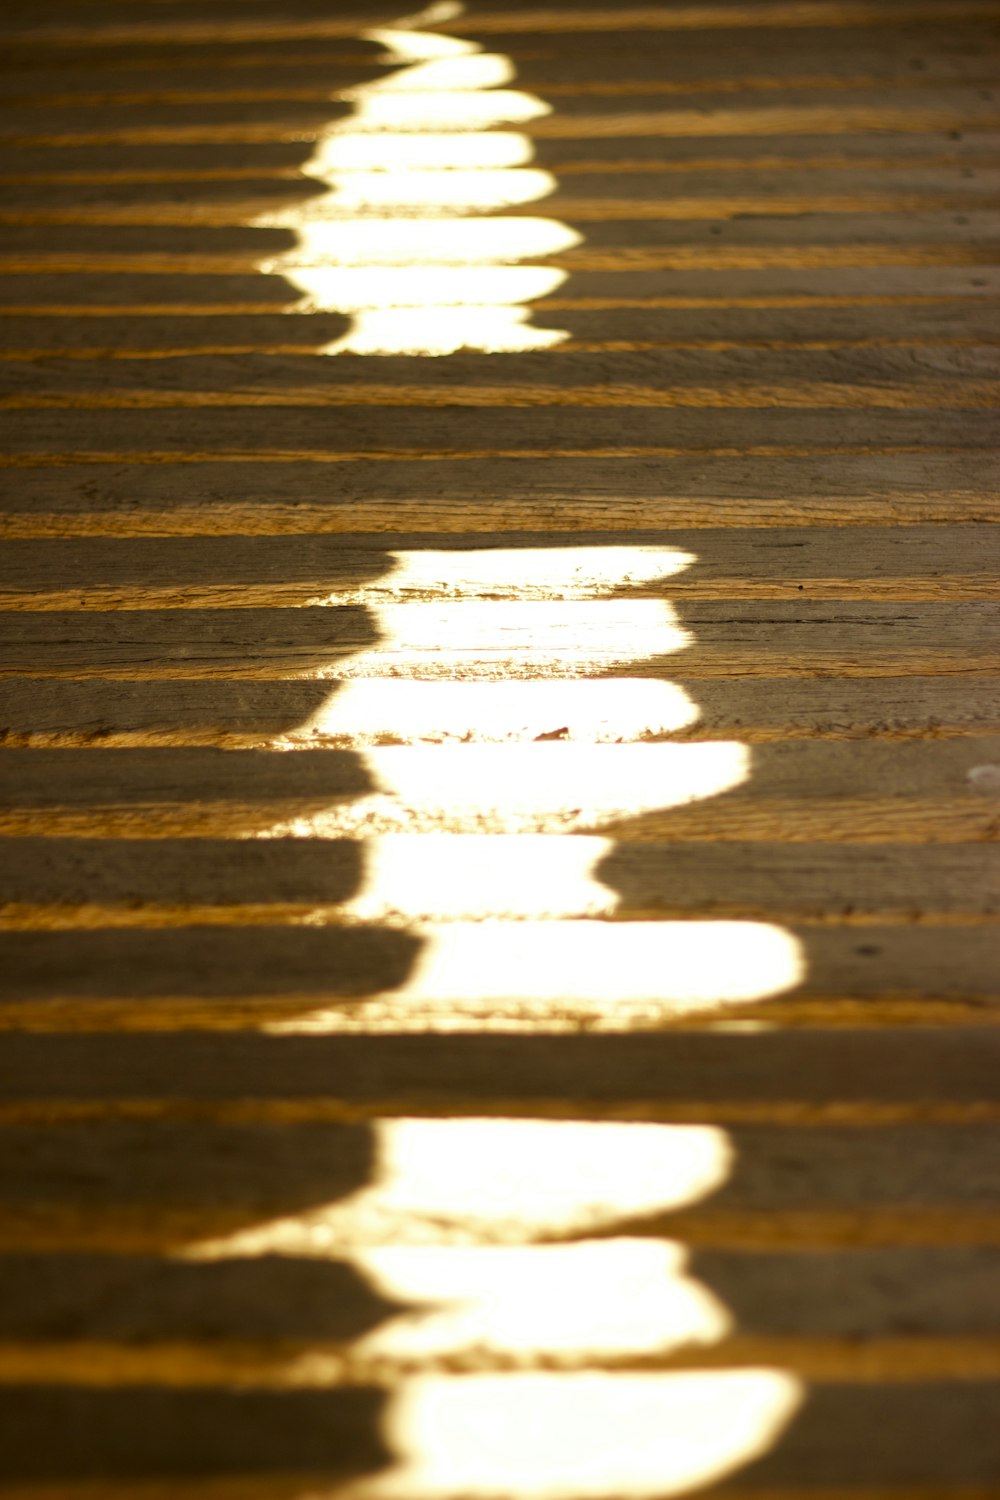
{"x": 855, "y": 1294}
{"x": 918, "y": 331}
{"x": 422, "y": 434}
{"x": 576, "y": 1076}
{"x": 878, "y": 563}
{"x": 915, "y": 376}
{"x": 485, "y": 639}
{"x": 939, "y": 1437}
{"x": 743, "y": 62}
{"x": 51, "y": 711}
{"x": 465, "y": 495}
{"x": 978, "y": 150}
{"x": 52, "y": 882}
{"x": 798, "y": 791}
{"x": 184, "y": 28}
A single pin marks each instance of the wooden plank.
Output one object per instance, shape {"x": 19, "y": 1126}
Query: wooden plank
{"x": 52, "y": 882}
{"x": 743, "y": 56}
{"x": 937, "y": 1437}
{"x": 49, "y": 712}
{"x": 508, "y": 495}
{"x": 272, "y": 115}
{"x": 177, "y": 287}
{"x": 917, "y": 331}
{"x": 800, "y": 791}
{"x": 931, "y": 563}
{"x": 689, "y": 156}
{"x": 485, "y": 639}
{"x": 252, "y": 1173}
{"x": 922, "y": 395}
{"x": 859, "y": 1294}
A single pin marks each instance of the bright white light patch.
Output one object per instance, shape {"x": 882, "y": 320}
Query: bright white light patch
{"x": 522, "y": 1178}
{"x": 413, "y": 192}
{"x": 475, "y": 633}
{"x": 422, "y": 143}
{"x": 678, "y": 966}
{"x": 435, "y": 331}
{"x": 421, "y": 241}
{"x": 424, "y": 152}
{"x": 456, "y": 875}
{"x": 412, "y": 46}
{"x": 501, "y": 1181}
{"x": 611, "y": 710}
{"x": 597, "y": 1298}
{"x": 575, "y": 1436}
{"x": 584, "y": 783}
{"x": 457, "y": 109}
{"x": 351, "y": 289}
{"x": 548, "y": 572}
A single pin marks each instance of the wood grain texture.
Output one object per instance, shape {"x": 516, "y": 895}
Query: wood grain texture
{"x": 581, "y": 764}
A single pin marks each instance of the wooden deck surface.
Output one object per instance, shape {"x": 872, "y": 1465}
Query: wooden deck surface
{"x": 500, "y": 770}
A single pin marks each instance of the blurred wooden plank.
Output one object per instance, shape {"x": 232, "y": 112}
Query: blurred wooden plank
{"x": 632, "y": 1076}
{"x": 687, "y": 156}
{"x": 423, "y": 435}
{"x": 816, "y": 13}
{"x": 800, "y": 791}
{"x": 57, "y": 883}
{"x": 939, "y": 1293}
{"x": 531, "y": 977}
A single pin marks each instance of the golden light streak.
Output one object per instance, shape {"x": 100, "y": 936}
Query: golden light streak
{"x": 575, "y": 1436}
{"x": 616, "y": 711}
{"x": 418, "y": 241}
{"x": 480, "y": 1181}
{"x": 590, "y": 1298}
{"x": 420, "y": 151}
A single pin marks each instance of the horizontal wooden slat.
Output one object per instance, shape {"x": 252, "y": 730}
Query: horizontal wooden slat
{"x": 425, "y": 434}
{"x": 53, "y": 712}
{"x": 576, "y": 1076}
{"x": 92, "y": 882}
{"x": 128, "y": 287}
{"x": 859, "y": 1294}
{"x": 688, "y": 156}
{"x": 817, "y": 13}
{"x": 962, "y": 376}
{"x": 483, "y": 639}
{"x": 530, "y": 977}
{"x": 508, "y": 495}
{"x": 742, "y": 54}
{"x": 916, "y": 563}
{"x": 804, "y": 792}
{"x": 937, "y": 1440}
{"x": 812, "y": 102}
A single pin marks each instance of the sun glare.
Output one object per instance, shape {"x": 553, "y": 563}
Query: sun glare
{"x": 425, "y": 147}
{"x": 588, "y": 1298}
{"x": 567, "y": 1436}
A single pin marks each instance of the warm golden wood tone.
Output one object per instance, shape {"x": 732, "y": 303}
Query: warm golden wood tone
{"x": 500, "y": 767}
